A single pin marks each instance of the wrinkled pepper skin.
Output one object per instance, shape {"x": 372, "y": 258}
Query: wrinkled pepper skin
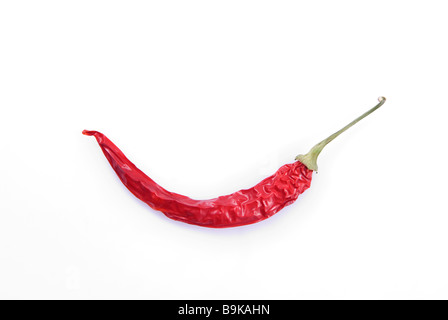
{"x": 243, "y": 207}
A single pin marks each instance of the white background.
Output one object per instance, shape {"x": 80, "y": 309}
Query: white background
{"x": 208, "y": 97}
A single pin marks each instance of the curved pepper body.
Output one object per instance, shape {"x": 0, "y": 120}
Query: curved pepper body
{"x": 240, "y": 208}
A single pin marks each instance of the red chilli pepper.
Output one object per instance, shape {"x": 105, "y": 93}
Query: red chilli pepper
{"x": 237, "y": 209}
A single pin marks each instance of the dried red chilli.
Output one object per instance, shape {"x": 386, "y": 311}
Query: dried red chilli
{"x": 240, "y": 208}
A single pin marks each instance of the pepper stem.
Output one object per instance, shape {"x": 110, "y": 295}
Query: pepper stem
{"x": 310, "y": 159}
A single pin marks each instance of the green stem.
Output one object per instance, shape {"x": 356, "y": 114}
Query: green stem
{"x": 310, "y": 159}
